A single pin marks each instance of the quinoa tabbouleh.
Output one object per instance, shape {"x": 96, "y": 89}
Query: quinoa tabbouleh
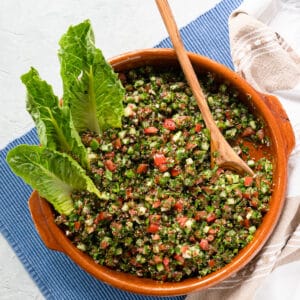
{"x": 165, "y": 213}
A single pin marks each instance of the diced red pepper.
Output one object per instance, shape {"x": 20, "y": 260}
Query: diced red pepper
{"x": 248, "y": 181}
{"x": 159, "y": 159}
{"x": 169, "y": 124}
{"x": 142, "y": 168}
{"x": 204, "y": 245}
{"x": 150, "y": 130}
{"x": 110, "y": 165}
{"x": 153, "y": 228}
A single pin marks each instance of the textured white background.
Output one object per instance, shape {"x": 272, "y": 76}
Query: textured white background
{"x": 29, "y": 32}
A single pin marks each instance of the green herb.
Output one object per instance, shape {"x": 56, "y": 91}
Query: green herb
{"x": 55, "y": 175}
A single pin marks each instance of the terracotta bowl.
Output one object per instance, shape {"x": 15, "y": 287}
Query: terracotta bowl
{"x": 282, "y": 142}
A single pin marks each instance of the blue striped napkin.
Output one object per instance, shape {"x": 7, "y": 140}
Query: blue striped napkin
{"x": 56, "y": 275}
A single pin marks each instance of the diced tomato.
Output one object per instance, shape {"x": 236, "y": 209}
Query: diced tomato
{"x": 178, "y": 206}
{"x": 77, "y": 225}
{"x": 228, "y": 114}
{"x": 190, "y": 146}
{"x": 157, "y": 259}
{"x": 247, "y": 223}
{"x": 211, "y": 263}
{"x": 150, "y": 130}
{"x": 219, "y": 171}
{"x": 247, "y": 195}
{"x": 156, "y": 237}
{"x": 179, "y": 258}
{"x": 198, "y": 127}
{"x": 184, "y": 248}
{"x": 169, "y": 124}
{"x": 159, "y": 159}
{"x": 204, "y": 244}
{"x": 254, "y": 203}
{"x": 102, "y": 215}
{"x": 248, "y": 131}
{"x": 156, "y": 204}
{"x": 248, "y": 181}
{"x": 175, "y": 171}
{"x": 110, "y": 165}
{"x": 104, "y": 244}
{"x": 129, "y": 192}
{"x": 166, "y": 261}
{"x": 162, "y": 247}
{"x": 153, "y": 228}
{"x": 117, "y": 143}
{"x": 260, "y": 134}
{"x": 163, "y": 168}
{"x": 210, "y": 237}
{"x": 182, "y": 220}
{"x": 212, "y": 231}
{"x": 110, "y": 154}
{"x": 211, "y": 217}
{"x": 199, "y": 215}
{"x": 142, "y": 168}
{"x": 155, "y": 218}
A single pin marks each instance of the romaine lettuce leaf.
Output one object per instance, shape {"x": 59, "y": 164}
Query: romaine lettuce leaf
{"x": 53, "y": 174}
{"x": 54, "y": 123}
{"x": 91, "y": 88}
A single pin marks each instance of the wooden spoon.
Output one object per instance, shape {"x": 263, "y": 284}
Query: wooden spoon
{"x": 221, "y": 152}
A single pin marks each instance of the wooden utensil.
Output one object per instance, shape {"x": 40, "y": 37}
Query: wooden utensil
{"x": 221, "y": 152}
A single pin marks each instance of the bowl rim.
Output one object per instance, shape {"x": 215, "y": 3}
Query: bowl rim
{"x": 54, "y": 238}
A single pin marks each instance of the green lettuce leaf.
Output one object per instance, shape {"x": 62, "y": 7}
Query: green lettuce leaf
{"x": 54, "y": 123}
{"x": 91, "y": 88}
{"x": 53, "y": 174}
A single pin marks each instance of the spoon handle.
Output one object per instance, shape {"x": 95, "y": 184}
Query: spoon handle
{"x": 185, "y": 62}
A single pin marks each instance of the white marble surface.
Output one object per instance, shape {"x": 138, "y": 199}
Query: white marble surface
{"x": 29, "y": 33}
